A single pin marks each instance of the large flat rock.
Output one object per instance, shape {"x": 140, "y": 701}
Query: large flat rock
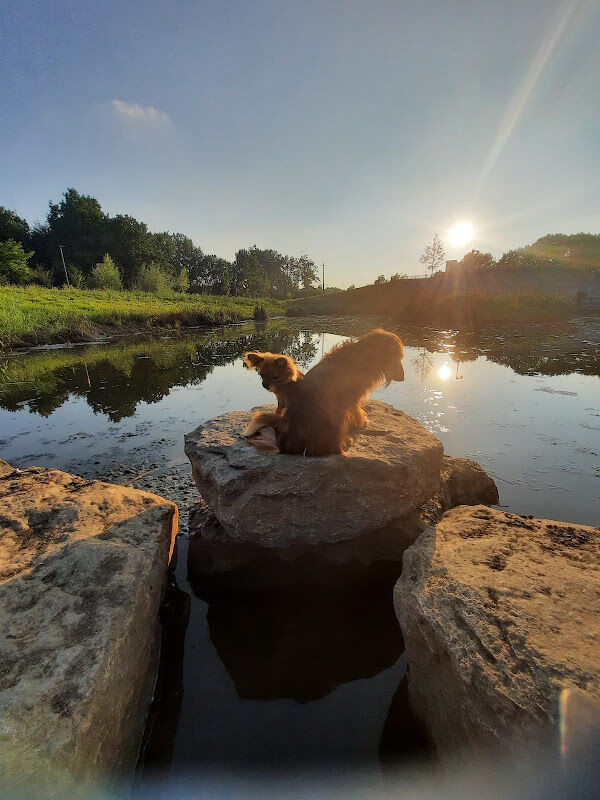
{"x": 217, "y": 559}
{"x": 82, "y": 572}
{"x": 499, "y": 613}
{"x": 281, "y": 500}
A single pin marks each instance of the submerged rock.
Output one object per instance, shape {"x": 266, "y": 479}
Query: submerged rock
{"x": 499, "y": 613}
{"x": 82, "y": 573}
{"x": 282, "y": 500}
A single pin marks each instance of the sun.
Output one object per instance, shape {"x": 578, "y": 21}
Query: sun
{"x": 461, "y": 233}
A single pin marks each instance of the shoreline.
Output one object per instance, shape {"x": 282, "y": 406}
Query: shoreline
{"x": 32, "y": 316}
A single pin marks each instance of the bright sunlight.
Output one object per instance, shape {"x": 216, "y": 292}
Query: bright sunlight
{"x": 461, "y": 233}
{"x": 444, "y": 371}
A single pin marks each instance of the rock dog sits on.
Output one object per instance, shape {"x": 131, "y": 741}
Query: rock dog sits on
{"x": 326, "y": 404}
{"x": 279, "y": 374}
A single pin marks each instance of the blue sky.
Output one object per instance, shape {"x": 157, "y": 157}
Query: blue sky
{"x": 351, "y": 130}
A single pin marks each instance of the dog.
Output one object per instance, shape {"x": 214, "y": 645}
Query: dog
{"x": 327, "y": 404}
{"x": 279, "y": 374}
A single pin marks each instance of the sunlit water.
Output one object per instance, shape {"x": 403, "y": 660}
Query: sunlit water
{"x": 284, "y": 681}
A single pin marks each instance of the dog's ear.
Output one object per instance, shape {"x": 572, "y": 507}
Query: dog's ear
{"x": 253, "y": 360}
{"x": 281, "y": 362}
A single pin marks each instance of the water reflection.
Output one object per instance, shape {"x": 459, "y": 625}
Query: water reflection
{"x": 304, "y": 644}
{"x": 116, "y": 377}
{"x": 422, "y": 363}
{"x": 444, "y": 371}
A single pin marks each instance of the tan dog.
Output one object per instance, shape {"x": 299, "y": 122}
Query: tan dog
{"x": 326, "y": 404}
{"x": 279, "y": 374}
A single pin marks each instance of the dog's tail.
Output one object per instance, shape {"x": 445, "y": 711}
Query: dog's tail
{"x": 262, "y": 431}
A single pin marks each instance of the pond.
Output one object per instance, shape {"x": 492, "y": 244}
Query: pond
{"x": 283, "y": 682}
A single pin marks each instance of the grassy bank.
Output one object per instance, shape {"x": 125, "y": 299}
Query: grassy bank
{"x": 470, "y": 310}
{"x": 32, "y": 315}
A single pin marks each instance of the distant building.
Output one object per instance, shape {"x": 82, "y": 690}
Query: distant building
{"x": 452, "y": 267}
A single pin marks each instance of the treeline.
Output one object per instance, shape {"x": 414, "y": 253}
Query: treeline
{"x": 115, "y": 252}
{"x": 559, "y": 251}
{"x": 553, "y": 251}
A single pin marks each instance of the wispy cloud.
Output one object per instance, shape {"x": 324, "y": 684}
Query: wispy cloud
{"x": 145, "y": 114}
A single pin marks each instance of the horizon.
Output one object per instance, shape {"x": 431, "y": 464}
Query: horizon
{"x": 302, "y": 128}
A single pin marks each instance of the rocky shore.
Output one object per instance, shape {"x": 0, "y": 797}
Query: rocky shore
{"x": 500, "y": 615}
{"x": 82, "y": 573}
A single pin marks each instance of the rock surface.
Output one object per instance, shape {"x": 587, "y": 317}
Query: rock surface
{"x": 499, "y": 613}
{"x": 82, "y": 573}
{"x": 275, "y": 501}
{"x": 217, "y": 559}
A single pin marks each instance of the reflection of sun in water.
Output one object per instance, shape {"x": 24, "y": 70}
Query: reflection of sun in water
{"x": 461, "y": 233}
{"x": 444, "y": 371}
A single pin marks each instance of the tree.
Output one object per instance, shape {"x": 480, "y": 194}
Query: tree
{"x": 182, "y": 282}
{"x": 475, "y": 259}
{"x": 226, "y": 282}
{"x": 13, "y": 262}
{"x": 14, "y": 227}
{"x": 380, "y": 279}
{"x": 576, "y": 251}
{"x": 433, "y": 255}
{"x": 522, "y": 258}
{"x": 185, "y": 255}
{"x": 105, "y": 275}
{"x": 130, "y": 244}
{"x": 398, "y": 276}
{"x": 78, "y": 223}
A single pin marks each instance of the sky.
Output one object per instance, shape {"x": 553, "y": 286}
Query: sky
{"x": 351, "y": 130}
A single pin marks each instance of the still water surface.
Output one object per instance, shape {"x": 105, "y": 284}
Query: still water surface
{"x": 288, "y": 680}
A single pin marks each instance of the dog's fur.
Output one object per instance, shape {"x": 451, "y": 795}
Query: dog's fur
{"x": 279, "y": 374}
{"x": 326, "y": 405}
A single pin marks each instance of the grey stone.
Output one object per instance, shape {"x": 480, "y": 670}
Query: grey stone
{"x": 217, "y": 559}
{"x": 499, "y": 612}
{"x": 82, "y": 573}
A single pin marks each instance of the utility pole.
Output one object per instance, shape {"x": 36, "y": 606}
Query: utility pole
{"x": 323, "y": 277}
{"x": 60, "y": 247}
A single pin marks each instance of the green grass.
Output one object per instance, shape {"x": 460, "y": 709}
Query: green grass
{"x": 32, "y": 315}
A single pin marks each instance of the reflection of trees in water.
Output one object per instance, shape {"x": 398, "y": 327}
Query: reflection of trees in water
{"x": 536, "y": 349}
{"x": 125, "y": 373}
{"x": 422, "y": 363}
{"x": 115, "y": 378}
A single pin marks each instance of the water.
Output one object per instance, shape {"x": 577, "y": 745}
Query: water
{"x": 289, "y": 680}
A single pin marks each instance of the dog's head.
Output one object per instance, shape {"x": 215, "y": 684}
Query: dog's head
{"x": 275, "y": 369}
{"x": 390, "y": 353}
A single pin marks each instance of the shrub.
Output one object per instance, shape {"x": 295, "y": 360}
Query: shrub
{"x": 41, "y": 276}
{"x": 76, "y": 277}
{"x": 153, "y": 278}
{"x": 182, "y": 281}
{"x": 13, "y": 262}
{"x": 105, "y": 275}
{"x": 260, "y": 314}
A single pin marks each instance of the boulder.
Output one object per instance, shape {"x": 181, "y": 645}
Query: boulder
{"x": 499, "y": 613}
{"x": 282, "y": 500}
{"x": 462, "y": 483}
{"x": 218, "y": 560}
{"x": 82, "y": 571}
